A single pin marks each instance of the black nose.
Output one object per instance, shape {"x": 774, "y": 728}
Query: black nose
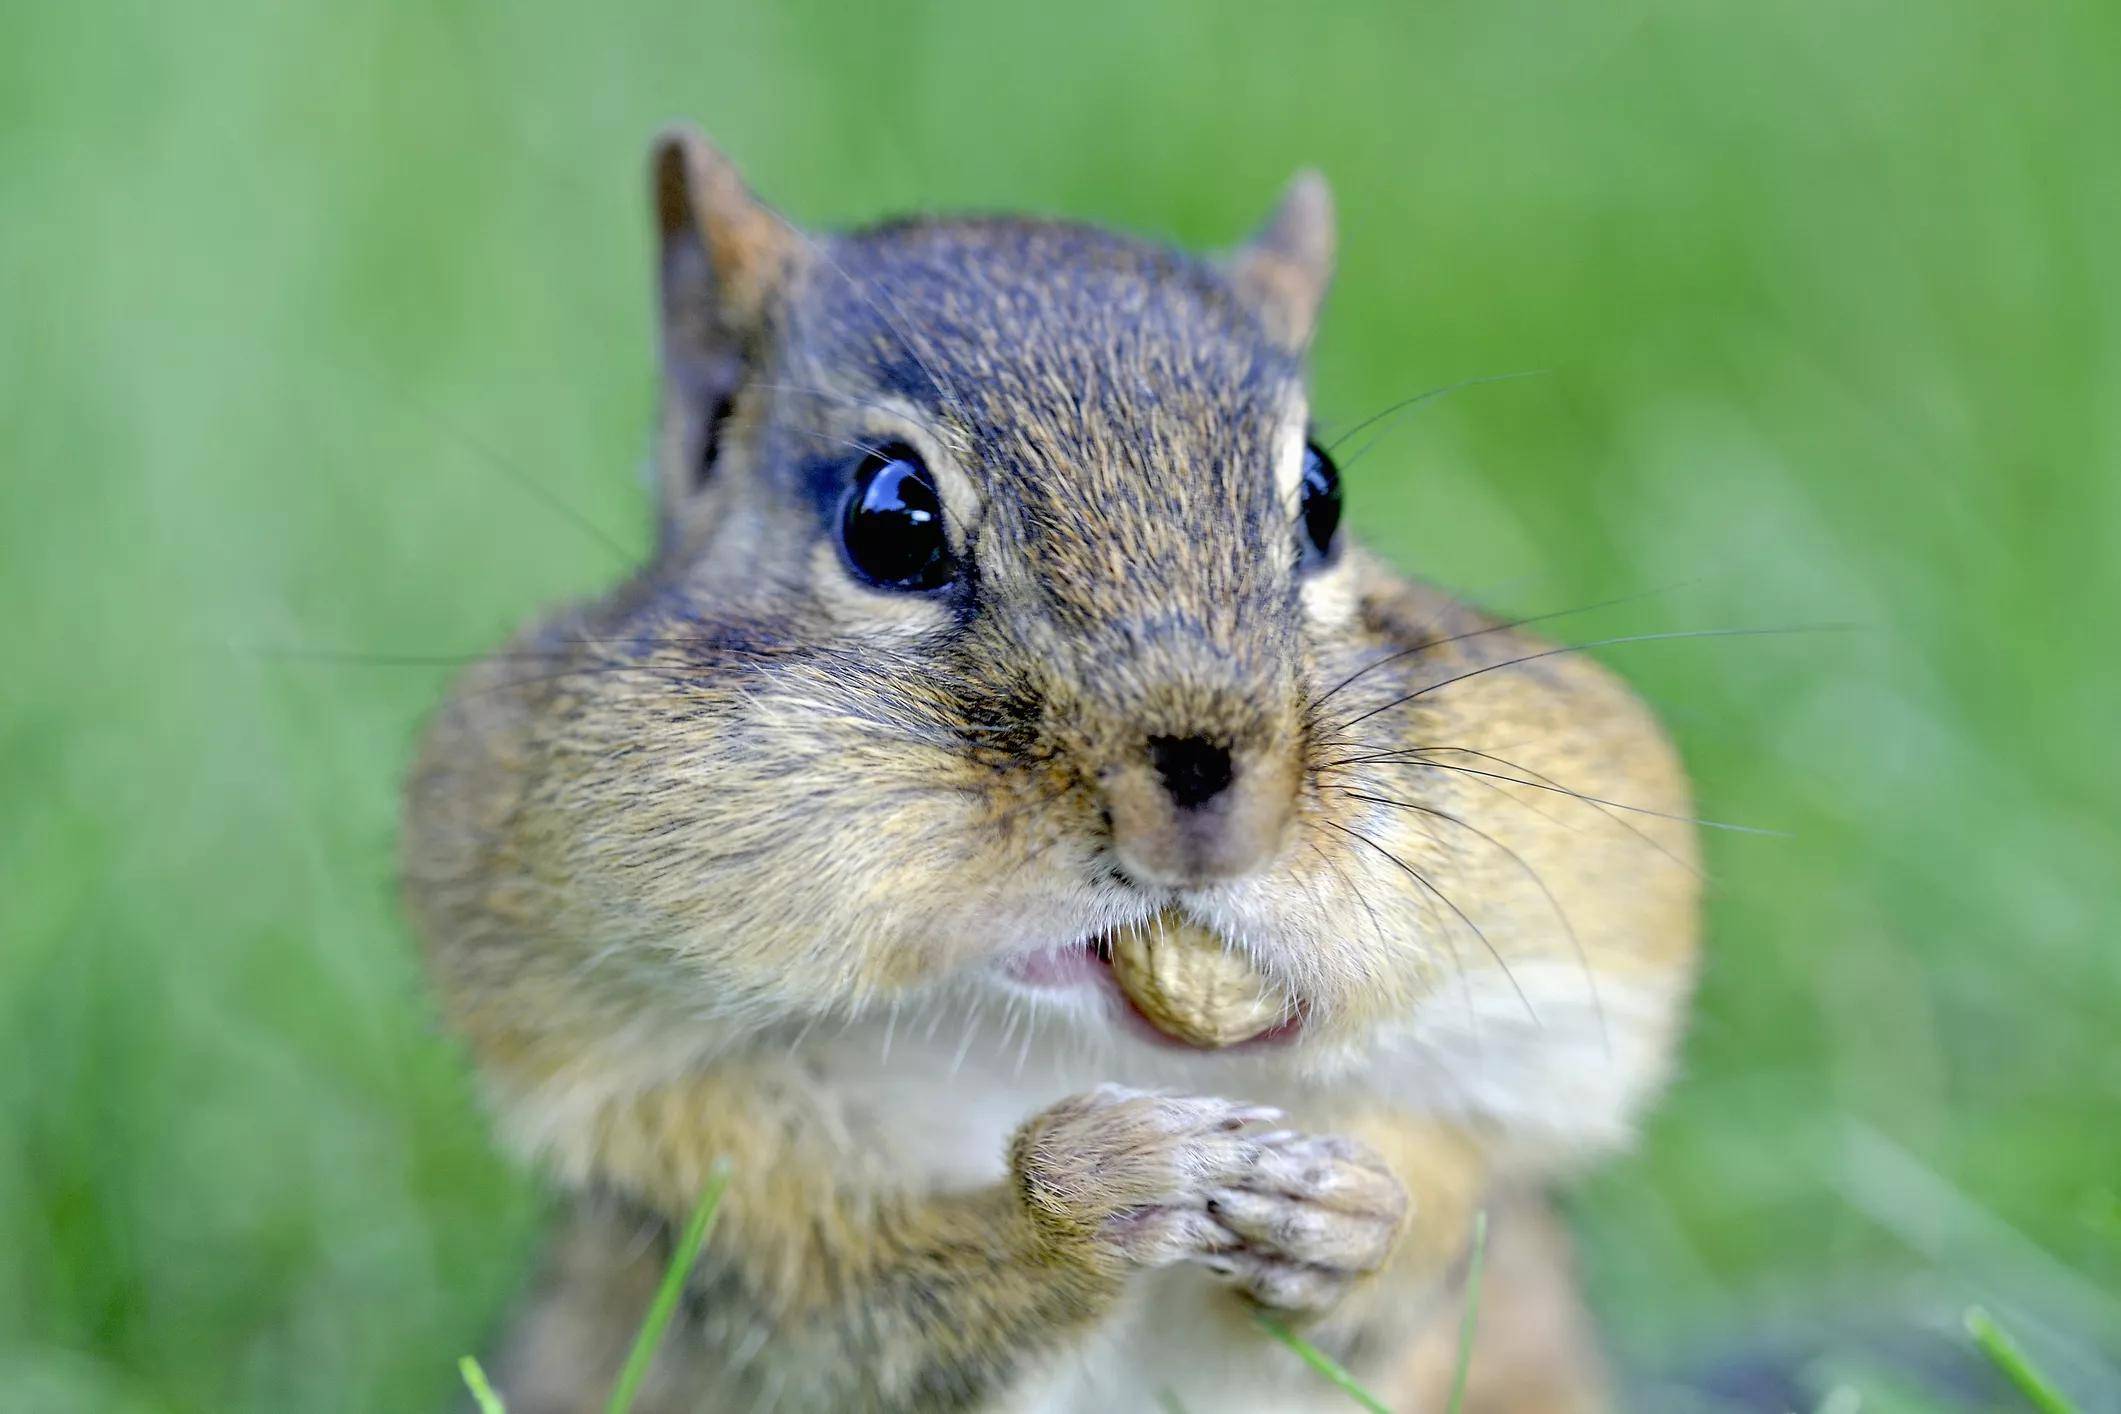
{"x": 1195, "y": 770}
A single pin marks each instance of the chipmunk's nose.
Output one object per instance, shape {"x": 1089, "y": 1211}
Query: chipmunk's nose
{"x": 1195, "y": 769}
{"x": 1190, "y": 811}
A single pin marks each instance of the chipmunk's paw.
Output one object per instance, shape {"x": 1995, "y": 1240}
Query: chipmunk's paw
{"x": 1146, "y": 1180}
{"x": 1316, "y": 1212}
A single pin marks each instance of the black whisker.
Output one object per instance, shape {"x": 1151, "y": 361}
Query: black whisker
{"x": 1582, "y": 647}
{"x": 378, "y": 382}
{"x": 1561, "y": 915}
{"x": 1488, "y": 779}
{"x": 1552, "y": 819}
{"x": 1376, "y": 924}
{"x": 818, "y": 434}
{"x": 337, "y": 657}
{"x": 1458, "y": 962}
{"x": 1503, "y": 627}
{"x": 1411, "y": 756}
{"x": 501, "y": 465}
{"x": 899, "y": 327}
{"x": 671, "y": 673}
{"x": 1418, "y": 877}
{"x": 838, "y": 395}
{"x": 561, "y": 651}
{"x": 1417, "y": 399}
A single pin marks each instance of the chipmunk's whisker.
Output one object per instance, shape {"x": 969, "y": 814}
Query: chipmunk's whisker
{"x": 562, "y": 651}
{"x": 500, "y": 464}
{"x": 1669, "y": 636}
{"x": 1416, "y": 756}
{"x": 899, "y": 326}
{"x": 1486, "y": 781}
{"x": 1458, "y": 963}
{"x": 1539, "y": 882}
{"x": 837, "y": 394}
{"x": 1501, "y": 627}
{"x": 1392, "y": 412}
{"x": 1376, "y": 924}
{"x": 667, "y": 673}
{"x": 1445, "y": 899}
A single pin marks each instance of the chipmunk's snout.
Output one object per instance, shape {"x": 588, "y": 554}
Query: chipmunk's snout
{"x": 1190, "y": 810}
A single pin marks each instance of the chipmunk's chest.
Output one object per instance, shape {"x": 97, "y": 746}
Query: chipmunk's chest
{"x": 937, "y": 1103}
{"x": 942, "y": 1105}
{"x": 939, "y": 1097}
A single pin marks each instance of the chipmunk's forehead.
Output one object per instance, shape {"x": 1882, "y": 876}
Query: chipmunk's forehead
{"x": 1005, "y": 322}
{"x": 1132, "y": 428}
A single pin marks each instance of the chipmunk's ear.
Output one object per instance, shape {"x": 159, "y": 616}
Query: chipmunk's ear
{"x": 1285, "y": 268}
{"x": 722, "y": 256}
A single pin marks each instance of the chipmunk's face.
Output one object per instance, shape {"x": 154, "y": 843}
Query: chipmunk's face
{"x": 1096, "y": 514}
{"x": 1001, "y": 586}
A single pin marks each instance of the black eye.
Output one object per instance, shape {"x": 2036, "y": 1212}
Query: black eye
{"x": 892, "y": 527}
{"x": 1321, "y": 504}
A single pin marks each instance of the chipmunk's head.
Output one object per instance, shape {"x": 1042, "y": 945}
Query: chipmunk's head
{"x": 998, "y": 583}
{"x": 1062, "y": 472}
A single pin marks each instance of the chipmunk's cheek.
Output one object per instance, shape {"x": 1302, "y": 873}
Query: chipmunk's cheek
{"x": 1338, "y": 937}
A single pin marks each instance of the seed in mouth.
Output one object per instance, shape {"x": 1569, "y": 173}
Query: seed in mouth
{"x": 1190, "y": 984}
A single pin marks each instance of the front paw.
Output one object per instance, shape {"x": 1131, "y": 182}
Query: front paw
{"x": 1316, "y": 1213}
{"x": 1130, "y": 1179}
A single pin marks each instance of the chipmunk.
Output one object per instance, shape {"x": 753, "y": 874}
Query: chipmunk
{"x": 1000, "y": 609}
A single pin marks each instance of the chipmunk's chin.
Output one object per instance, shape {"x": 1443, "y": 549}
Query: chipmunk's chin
{"x": 1082, "y": 971}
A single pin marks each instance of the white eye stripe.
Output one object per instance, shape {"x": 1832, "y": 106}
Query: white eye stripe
{"x": 1289, "y": 445}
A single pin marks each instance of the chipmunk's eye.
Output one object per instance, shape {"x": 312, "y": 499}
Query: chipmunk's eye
{"x": 892, "y": 526}
{"x": 1321, "y": 504}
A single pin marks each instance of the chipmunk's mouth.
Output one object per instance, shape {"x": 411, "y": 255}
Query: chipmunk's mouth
{"x": 1086, "y": 964}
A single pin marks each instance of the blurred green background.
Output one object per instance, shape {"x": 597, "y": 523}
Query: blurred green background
{"x": 297, "y": 298}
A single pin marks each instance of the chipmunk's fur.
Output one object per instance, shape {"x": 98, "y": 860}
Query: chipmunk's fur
{"x": 745, "y": 860}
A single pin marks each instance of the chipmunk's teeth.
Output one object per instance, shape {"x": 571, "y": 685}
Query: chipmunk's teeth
{"x": 1103, "y": 944}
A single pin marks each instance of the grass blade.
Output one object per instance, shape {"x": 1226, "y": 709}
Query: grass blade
{"x": 481, "y": 1392}
{"x": 1318, "y": 1360}
{"x": 1471, "y": 1319}
{"x": 666, "y": 1296}
{"x": 2004, "y": 1354}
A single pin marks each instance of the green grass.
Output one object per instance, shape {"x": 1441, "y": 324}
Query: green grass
{"x": 1322, "y": 1364}
{"x": 482, "y": 1393}
{"x": 1333, "y": 1373}
{"x": 1469, "y": 1321}
{"x": 626, "y": 1388}
{"x": 669, "y": 1290}
{"x": 1828, "y": 306}
{"x": 2006, "y": 1355}
{"x": 654, "y": 1319}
